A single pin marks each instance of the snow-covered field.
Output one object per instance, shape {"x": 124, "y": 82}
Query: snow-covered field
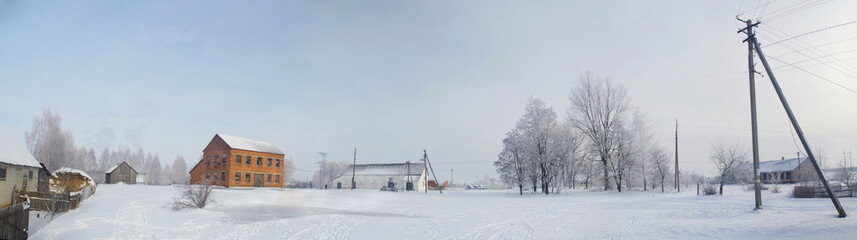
{"x": 139, "y": 212}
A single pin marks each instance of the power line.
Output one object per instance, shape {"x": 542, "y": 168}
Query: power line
{"x": 811, "y": 73}
{"x": 814, "y": 31}
{"x": 787, "y": 11}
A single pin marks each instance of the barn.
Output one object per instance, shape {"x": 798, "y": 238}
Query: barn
{"x": 18, "y": 169}
{"x": 122, "y": 173}
{"x": 378, "y": 175}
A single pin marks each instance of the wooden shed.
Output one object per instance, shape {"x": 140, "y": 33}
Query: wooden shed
{"x": 123, "y": 173}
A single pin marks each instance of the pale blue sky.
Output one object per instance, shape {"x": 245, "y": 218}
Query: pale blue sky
{"x": 395, "y": 77}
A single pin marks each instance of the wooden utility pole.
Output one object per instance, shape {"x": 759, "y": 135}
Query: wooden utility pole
{"x": 408, "y": 184}
{"x": 425, "y": 155}
{"x": 677, "y": 173}
{"x": 757, "y": 182}
{"x": 755, "y": 44}
{"x": 354, "y": 170}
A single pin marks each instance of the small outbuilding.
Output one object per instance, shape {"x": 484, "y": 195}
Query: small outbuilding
{"x": 122, "y": 173}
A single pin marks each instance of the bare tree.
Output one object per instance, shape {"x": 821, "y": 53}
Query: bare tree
{"x": 661, "y": 161}
{"x": 728, "y": 160}
{"x": 598, "y": 109}
{"x": 847, "y": 172}
{"x": 193, "y": 196}
{"x": 47, "y": 141}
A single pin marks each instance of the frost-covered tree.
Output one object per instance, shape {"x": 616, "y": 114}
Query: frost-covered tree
{"x": 288, "y": 169}
{"x": 47, "y": 141}
{"x": 511, "y": 163}
{"x": 598, "y": 110}
{"x": 728, "y": 160}
{"x": 661, "y": 162}
{"x": 178, "y": 174}
{"x": 327, "y": 171}
{"x": 153, "y": 170}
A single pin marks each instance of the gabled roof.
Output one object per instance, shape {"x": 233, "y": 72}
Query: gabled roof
{"x": 13, "y": 151}
{"x": 117, "y": 165}
{"x": 249, "y": 144}
{"x": 780, "y": 165}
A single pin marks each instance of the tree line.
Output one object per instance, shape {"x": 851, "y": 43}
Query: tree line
{"x": 55, "y": 147}
{"x": 602, "y": 141}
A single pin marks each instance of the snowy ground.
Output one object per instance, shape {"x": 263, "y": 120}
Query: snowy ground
{"x": 138, "y": 212}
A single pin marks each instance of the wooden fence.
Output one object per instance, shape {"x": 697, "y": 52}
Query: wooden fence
{"x": 55, "y": 202}
{"x": 820, "y": 192}
{"x": 14, "y": 221}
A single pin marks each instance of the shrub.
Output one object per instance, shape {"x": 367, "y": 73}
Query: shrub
{"x": 193, "y": 196}
{"x": 709, "y": 189}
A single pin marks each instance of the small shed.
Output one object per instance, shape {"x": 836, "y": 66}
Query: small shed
{"x": 122, "y": 173}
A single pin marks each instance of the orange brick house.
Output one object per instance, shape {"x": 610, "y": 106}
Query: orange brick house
{"x": 232, "y": 161}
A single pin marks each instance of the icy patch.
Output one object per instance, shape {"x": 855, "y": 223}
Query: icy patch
{"x": 274, "y": 212}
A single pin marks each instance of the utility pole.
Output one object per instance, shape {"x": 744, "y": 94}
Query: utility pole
{"x": 451, "y": 176}
{"x": 792, "y": 118}
{"x": 677, "y": 173}
{"x": 409, "y": 184}
{"x": 425, "y": 155}
{"x": 354, "y": 170}
{"x": 757, "y": 181}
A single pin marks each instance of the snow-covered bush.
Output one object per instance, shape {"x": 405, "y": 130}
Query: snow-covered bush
{"x": 193, "y": 196}
{"x": 709, "y": 189}
{"x": 775, "y": 189}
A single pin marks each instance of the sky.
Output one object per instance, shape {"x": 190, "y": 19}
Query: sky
{"x": 394, "y": 78}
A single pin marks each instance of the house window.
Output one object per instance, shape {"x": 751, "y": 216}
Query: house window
{"x": 208, "y": 162}
{"x": 237, "y": 176}
{"x": 269, "y": 177}
{"x": 30, "y": 174}
{"x": 216, "y": 159}
{"x": 247, "y": 177}
{"x": 207, "y": 177}
{"x": 3, "y": 174}
{"x": 278, "y": 163}
{"x": 238, "y": 160}
{"x": 223, "y": 176}
{"x": 249, "y": 158}
{"x": 269, "y": 162}
{"x": 277, "y": 178}
{"x": 259, "y": 161}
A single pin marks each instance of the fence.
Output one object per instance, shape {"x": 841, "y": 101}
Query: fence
{"x": 820, "y": 192}
{"x": 14, "y": 221}
{"x": 55, "y": 202}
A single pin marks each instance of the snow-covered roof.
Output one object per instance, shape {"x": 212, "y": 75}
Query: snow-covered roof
{"x": 13, "y": 151}
{"x": 780, "y": 165}
{"x": 72, "y": 170}
{"x": 120, "y": 164}
{"x": 388, "y": 169}
{"x": 249, "y": 144}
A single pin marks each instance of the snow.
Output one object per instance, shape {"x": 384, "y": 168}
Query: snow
{"x": 72, "y": 170}
{"x": 13, "y": 151}
{"x": 780, "y": 165}
{"x": 249, "y": 144}
{"x": 113, "y": 168}
{"x": 139, "y": 212}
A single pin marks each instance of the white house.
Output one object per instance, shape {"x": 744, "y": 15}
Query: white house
{"x": 786, "y": 171}
{"x": 18, "y": 169}
{"x": 375, "y": 176}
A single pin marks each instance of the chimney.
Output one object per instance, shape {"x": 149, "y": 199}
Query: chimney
{"x": 783, "y": 158}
